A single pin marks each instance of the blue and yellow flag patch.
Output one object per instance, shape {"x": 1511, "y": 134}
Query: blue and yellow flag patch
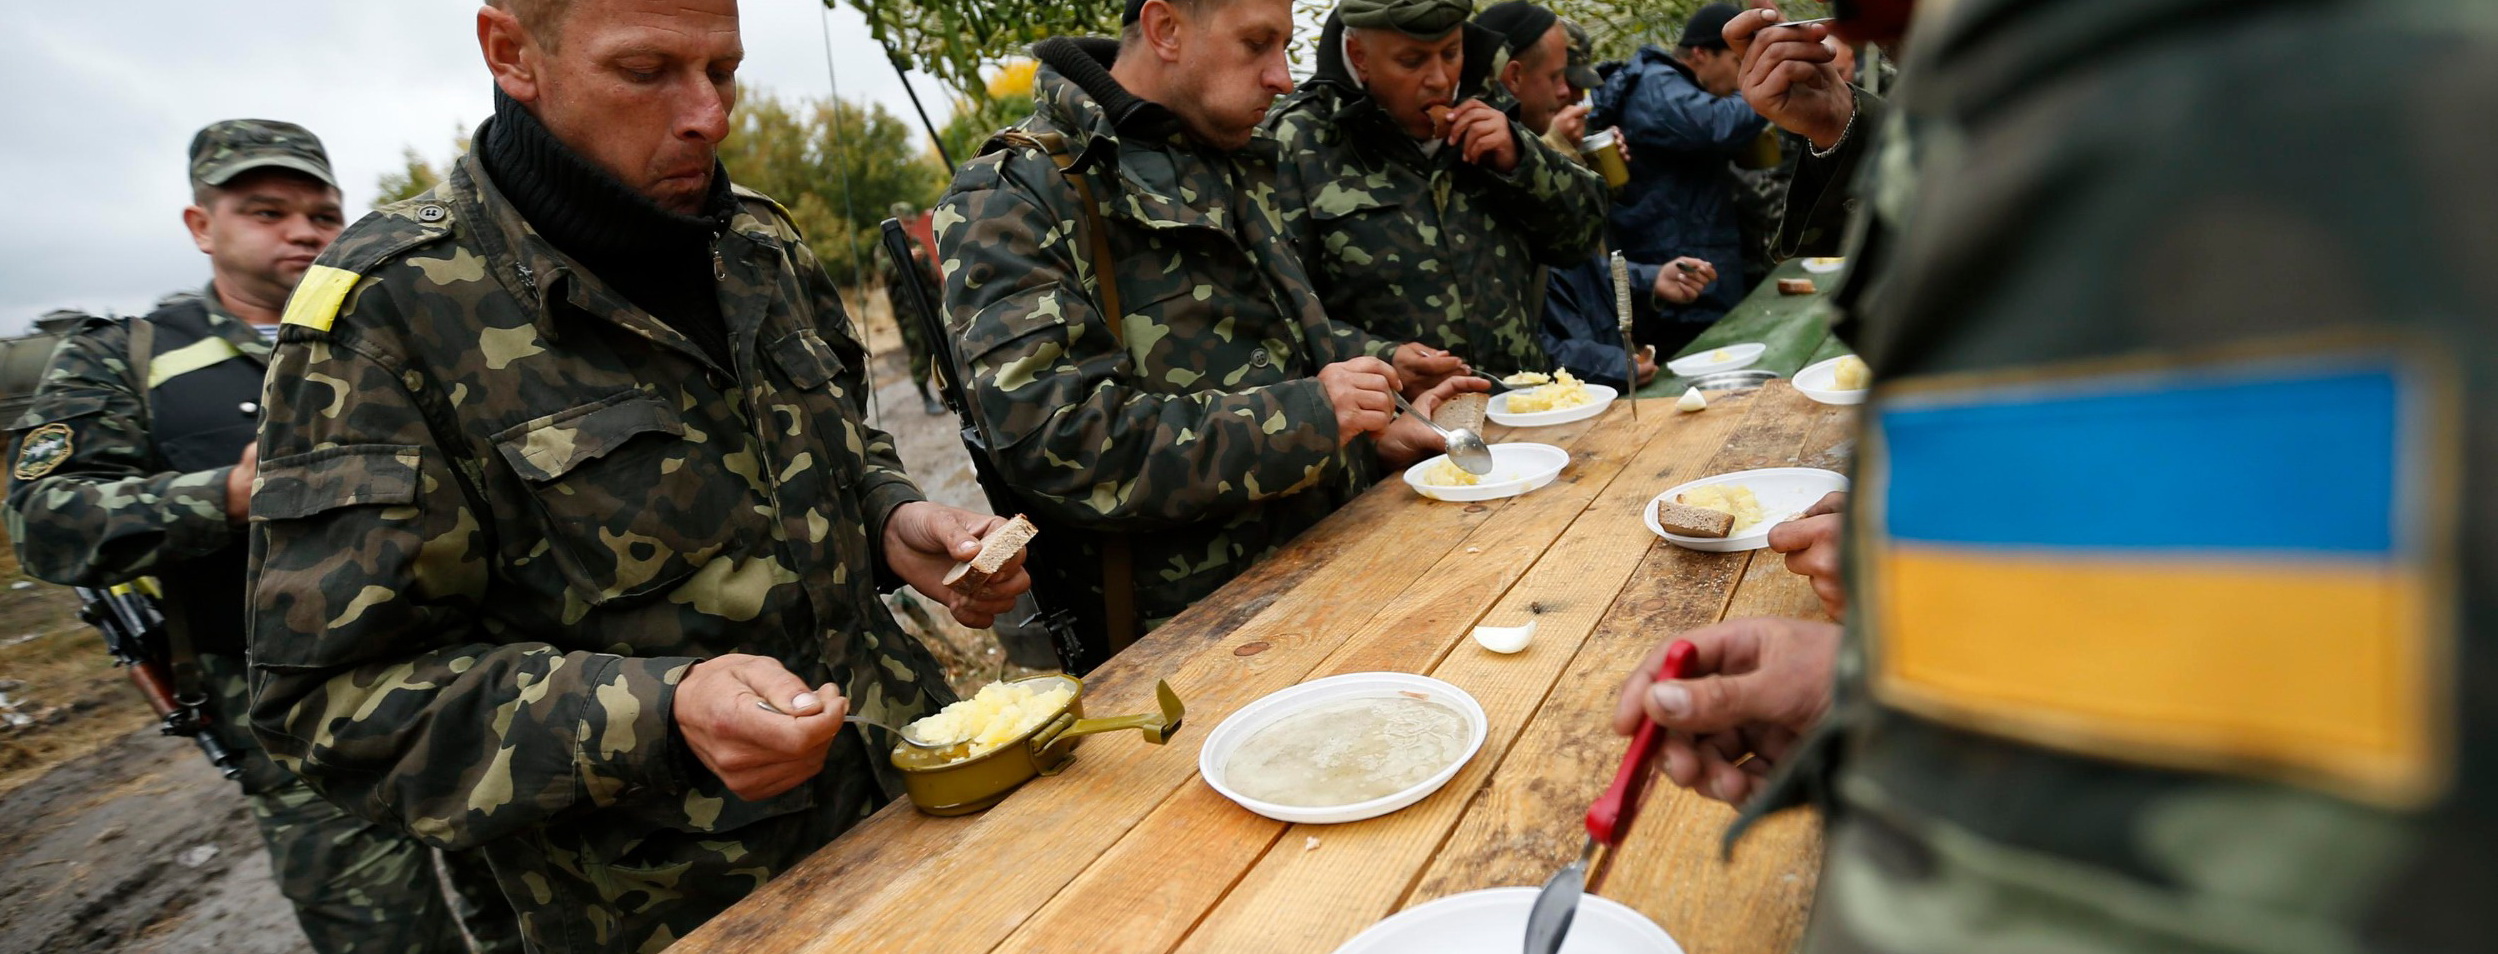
{"x": 2226, "y": 567}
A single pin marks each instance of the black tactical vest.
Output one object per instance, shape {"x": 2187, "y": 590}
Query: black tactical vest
{"x": 203, "y": 402}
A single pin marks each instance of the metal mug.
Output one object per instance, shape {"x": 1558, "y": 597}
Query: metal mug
{"x": 1603, "y": 149}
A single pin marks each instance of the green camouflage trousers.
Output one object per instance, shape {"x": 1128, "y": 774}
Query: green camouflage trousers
{"x": 357, "y": 886}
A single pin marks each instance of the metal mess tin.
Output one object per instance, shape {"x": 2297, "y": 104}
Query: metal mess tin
{"x": 940, "y": 785}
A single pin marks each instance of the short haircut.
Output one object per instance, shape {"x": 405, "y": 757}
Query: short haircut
{"x": 540, "y": 17}
{"x": 1134, "y": 31}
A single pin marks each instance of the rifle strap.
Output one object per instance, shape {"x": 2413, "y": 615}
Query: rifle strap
{"x": 1118, "y": 558}
{"x": 142, "y": 356}
{"x": 1096, "y": 232}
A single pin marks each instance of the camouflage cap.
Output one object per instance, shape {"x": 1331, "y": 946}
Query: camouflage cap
{"x": 1427, "y": 19}
{"x": 226, "y": 149}
{"x": 1582, "y": 69}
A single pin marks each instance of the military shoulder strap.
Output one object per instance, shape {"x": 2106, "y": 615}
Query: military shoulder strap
{"x": 142, "y": 358}
{"x": 1118, "y": 562}
{"x": 1096, "y": 232}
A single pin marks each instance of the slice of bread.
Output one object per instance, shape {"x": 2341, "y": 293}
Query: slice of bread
{"x": 996, "y": 549}
{"x": 1692, "y": 521}
{"x": 1465, "y": 410}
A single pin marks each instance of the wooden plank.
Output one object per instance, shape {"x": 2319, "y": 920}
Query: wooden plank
{"x": 1153, "y": 885}
{"x": 1528, "y": 822}
{"x": 1672, "y": 865}
{"x": 1313, "y": 900}
{"x": 863, "y": 893}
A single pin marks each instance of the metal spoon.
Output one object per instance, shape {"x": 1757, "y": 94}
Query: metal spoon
{"x": 1464, "y": 446}
{"x": 863, "y": 720}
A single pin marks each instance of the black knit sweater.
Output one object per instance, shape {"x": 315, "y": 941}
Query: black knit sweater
{"x": 659, "y": 260}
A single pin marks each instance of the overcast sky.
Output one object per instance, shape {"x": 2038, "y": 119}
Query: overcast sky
{"x": 109, "y": 94}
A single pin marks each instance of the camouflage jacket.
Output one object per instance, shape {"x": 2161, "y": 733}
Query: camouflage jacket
{"x": 109, "y": 506}
{"x": 1429, "y": 248}
{"x": 501, "y": 510}
{"x": 2283, "y": 742}
{"x": 1197, "y": 426}
{"x": 114, "y": 479}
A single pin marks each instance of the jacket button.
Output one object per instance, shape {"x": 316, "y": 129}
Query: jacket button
{"x": 430, "y": 213}
{"x": 1258, "y": 358}
{"x": 248, "y": 408}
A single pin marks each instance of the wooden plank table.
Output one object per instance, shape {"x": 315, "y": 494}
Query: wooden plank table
{"x": 1129, "y": 851}
{"x": 1795, "y": 327}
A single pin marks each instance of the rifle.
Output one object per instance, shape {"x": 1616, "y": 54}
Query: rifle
{"x": 134, "y": 632}
{"x": 913, "y": 298}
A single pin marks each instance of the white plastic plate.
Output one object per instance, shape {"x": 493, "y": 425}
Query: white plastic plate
{"x": 1820, "y": 380}
{"x": 1710, "y": 361}
{"x": 1236, "y": 729}
{"x": 1783, "y": 492}
{"x": 1516, "y": 469}
{"x": 1498, "y": 410}
{"x": 1824, "y": 266}
{"x": 1494, "y": 921}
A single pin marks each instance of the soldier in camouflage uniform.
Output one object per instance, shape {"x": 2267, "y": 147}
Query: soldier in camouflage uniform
{"x": 1425, "y": 229}
{"x": 569, "y": 533}
{"x": 1166, "y": 444}
{"x": 2281, "y": 739}
{"x": 114, "y": 478}
{"x": 914, "y": 338}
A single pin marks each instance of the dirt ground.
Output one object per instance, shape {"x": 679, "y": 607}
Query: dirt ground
{"x": 116, "y": 838}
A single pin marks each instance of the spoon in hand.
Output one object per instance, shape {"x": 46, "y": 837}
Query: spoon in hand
{"x": 1465, "y": 447}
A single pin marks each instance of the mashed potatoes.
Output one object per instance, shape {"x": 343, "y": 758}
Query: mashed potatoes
{"x": 1527, "y": 379}
{"x": 1446, "y": 473}
{"x": 999, "y": 713}
{"x": 1566, "y": 391}
{"x": 1851, "y": 374}
{"x": 1733, "y": 499}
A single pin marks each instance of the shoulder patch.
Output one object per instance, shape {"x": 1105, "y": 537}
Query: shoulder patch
{"x": 318, "y": 296}
{"x": 382, "y": 235}
{"x": 42, "y": 451}
{"x": 746, "y": 193}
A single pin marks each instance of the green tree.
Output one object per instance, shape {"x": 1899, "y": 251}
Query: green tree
{"x": 836, "y": 165}
{"x": 418, "y": 174}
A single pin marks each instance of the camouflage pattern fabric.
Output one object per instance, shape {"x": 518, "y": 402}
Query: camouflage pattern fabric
{"x": 226, "y": 149}
{"x": 106, "y": 511}
{"x": 1196, "y": 428}
{"x": 501, "y": 511}
{"x": 359, "y": 887}
{"x": 1428, "y": 247}
{"x": 2029, "y": 208}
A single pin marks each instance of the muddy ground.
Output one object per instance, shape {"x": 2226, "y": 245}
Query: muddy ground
{"x": 116, "y": 838}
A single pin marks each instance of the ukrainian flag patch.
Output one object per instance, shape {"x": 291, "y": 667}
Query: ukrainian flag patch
{"x": 2233, "y": 566}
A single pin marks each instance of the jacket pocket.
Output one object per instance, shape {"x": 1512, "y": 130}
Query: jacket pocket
{"x": 357, "y": 475}
{"x": 616, "y": 497}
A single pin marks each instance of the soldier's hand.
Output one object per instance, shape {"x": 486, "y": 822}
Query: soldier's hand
{"x": 1789, "y": 75}
{"x": 1811, "y": 543}
{"x": 1410, "y": 439}
{"x": 1683, "y": 287}
{"x": 1646, "y": 361}
{"x": 1481, "y": 135}
{"x": 756, "y": 753}
{"x": 239, "y": 483}
{"x": 923, "y": 542}
{"x": 1756, "y": 685}
{"x": 1570, "y": 124}
{"x": 1363, "y": 392}
{"x": 1421, "y": 367}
